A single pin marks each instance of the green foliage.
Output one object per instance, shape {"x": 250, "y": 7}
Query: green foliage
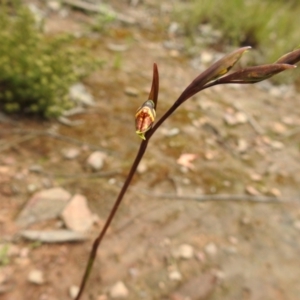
{"x": 36, "y": 71}
{"x": 270, "y": 25}
{"x": 4, "y": 255}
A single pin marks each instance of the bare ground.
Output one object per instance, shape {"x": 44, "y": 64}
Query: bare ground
{"x": 243, "y": 249}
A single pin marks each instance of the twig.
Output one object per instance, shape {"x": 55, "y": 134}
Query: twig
{"x": 102, "y": 9}
{"x": 218, "y": 197}
{"x": 9, "y": 145}
{"x": 55, "y": 136}
{"x": 72, "y": 176}
{"x": 257, "y": 128}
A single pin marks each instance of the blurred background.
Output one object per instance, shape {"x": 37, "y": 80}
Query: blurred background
{"x": 213, "y": 211}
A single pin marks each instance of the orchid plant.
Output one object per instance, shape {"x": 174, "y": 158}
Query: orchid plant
{"x": 145, "y": 116}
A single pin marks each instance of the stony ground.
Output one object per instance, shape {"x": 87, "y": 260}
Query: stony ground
{"x": 168, "y": 241}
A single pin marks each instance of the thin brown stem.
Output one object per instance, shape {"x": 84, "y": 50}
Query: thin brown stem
{"x": 98, "y": 240}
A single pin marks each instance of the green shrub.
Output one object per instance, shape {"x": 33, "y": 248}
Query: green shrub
{"x": 36, "y": 70}
{"x": 270, "y": 26}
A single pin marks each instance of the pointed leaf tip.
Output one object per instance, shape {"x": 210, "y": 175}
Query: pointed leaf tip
{"x": 153, "y": 95}
{"x": 291, "y": 58}
{"x": 218, "y": 69}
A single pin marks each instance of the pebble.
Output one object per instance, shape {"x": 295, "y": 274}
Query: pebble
{"x": 117, "y": 47}
{"x": 73, "y": 291}
{"x": 70, "y": 153}
{"x": 252, "y": 190}
{"x": 96, "y": 160}
{"x": 142, "y": 168}
{"x": 175, "y": 276}
{"x": 31, "y": 188}
{"x": 206, "y": 57}
{"x": 79, "y": 94}
{"x": 76, "y": 215}
{"x": 211, "y": 249}
{"x": 276, "y": 145}
{"x": 233, "y": 240}
{"x": 131, "y": 91}
{"x": 242, "y": 146}
{"x": 185, "y": 251}
{"x": 255, "y": 177}
{"x": 297, "y": 224}
{"x": 119, "y": 290}
{"x": 274, "y": 192}
{"x": 54, "y": 5}
{"x": 235, "y": 119}
{"x": 36, "y": 277}
{"x": 53, "y": 236}
{"x": 170, "y": 132}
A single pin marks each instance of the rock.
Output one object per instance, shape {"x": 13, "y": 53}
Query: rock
{"x": 70, "y": 153}
{"x": 170, "y": 132}
{"x": 131, "y": 91}
{"x": 252, "y": 190}
{"x": 211, "y": 249}
{"x": 279, "y": 128}
{"x": 184, "y": 251}
{"x": 277, "y": 145}
{"x": 198, "y": 288}
{"x": 80, "y": 95}
{"x": 96, "y": 160}
{"x": 44, "y": 205}
{"x": 297, "y": 225}
{"x": 175, "y": 276}
{"x": 274, "y": 192}
{"x": 54, "y": 5}
{"x": 77, "y": 215}
{"x": 255, "y": 176}
{"x": 235, "y": 118}
{"x": 186, "y": 159}
{"x": 119, "y": 290}
{"x": 53, "y": 236}
{"x": 31, "y": 188}
{"x": 233, "y": 240}
{"x": 36, "y": 277}
{"x": 117, "y": 47}
{"x": 142, "y": 168}
{"x": 73, "y": 291}
{"x": 242, "y": 146}
{"x": 206, "y": 57}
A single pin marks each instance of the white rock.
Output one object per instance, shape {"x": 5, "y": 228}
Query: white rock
{"x": 79, "y": 94}
{"x": 211, "y": 249}
{"x": 70, "y": 153}
{"x": 77, "y": 215}
{"x": 170, "y": 132}
{"x": 131, "y": 91}
{"x": 185, "y": 251}
{"x": 54, "y": 5}
{"x": 73, "y": 291}
{"x": 175, "y": 276}
{"x": 119, "y": 290}
{"x": 206, "y": 57}
{"x": 297, "y": 224}
{"x": 36, "y": 277}
{"x": 96, "y": 160}
{"x": 53, "y": 236}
